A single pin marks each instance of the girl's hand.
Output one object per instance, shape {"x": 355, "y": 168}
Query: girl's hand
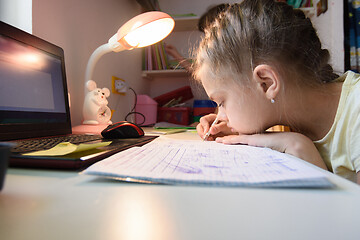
{"x": 218, "y": 130}
{"x": 292, "y": 143}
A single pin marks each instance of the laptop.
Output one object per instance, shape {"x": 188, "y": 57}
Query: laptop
{"x": 34, "y": 102}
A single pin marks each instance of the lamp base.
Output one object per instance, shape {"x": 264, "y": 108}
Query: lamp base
{"x": 89, "y": 128}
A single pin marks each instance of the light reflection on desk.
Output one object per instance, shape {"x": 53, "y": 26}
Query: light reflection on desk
{"x": 137, "y": 215}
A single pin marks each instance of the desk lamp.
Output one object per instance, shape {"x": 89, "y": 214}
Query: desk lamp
{"x": 141, "y": 31}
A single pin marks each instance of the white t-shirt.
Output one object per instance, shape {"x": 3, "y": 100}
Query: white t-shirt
{"x": 340, "y": 148}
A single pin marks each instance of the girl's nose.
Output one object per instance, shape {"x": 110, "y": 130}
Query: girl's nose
{"x": 222, "y": 114}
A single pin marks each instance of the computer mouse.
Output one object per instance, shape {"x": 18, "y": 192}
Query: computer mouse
{"x": 122, "y": 129}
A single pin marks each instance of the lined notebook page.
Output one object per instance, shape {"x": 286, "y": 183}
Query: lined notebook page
{"x": 209, "y": 163}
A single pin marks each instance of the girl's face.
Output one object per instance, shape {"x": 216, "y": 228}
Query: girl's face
{"x": 243, "y": 108}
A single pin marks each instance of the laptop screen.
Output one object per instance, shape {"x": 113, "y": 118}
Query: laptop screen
{"x": 33, "y": 92}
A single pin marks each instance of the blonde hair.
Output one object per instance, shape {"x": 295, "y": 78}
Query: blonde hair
{"x": 263, "y": 32}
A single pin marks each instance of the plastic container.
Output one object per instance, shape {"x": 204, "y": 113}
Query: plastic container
{"x": 183, "y": 94}
{"x": 177, "y": 115}
{"x": 148, "y": 107}
{"x": 202, "y": 108}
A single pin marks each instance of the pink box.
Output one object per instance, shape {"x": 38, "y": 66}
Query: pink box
{"x": 148, "y": 107}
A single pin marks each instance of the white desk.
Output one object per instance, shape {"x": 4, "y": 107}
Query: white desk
{"x": 51, "y": 205}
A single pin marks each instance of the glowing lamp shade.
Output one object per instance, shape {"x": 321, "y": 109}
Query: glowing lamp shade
{"x": 145, "y": 29}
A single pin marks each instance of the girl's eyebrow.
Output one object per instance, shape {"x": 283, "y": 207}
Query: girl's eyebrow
{"x": 215, "y": 94}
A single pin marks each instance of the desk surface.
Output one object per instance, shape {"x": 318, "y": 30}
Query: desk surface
{"x": 49, "y": 204}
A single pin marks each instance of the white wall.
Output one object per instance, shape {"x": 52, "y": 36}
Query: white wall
{"x": 79, "y": 27}
{"x": 17, "y": 13}
{"x": 330, "y": 28}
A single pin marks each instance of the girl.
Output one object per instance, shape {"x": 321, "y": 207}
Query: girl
{"x": 262, "y": 62}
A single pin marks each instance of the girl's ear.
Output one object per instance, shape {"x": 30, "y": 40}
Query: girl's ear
{"x": 267, "y": 80}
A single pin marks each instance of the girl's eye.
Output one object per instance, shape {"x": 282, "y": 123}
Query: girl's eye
{"x": 221, "y": 104}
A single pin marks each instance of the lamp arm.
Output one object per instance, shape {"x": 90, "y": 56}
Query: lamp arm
{"x": 94, "y": 58}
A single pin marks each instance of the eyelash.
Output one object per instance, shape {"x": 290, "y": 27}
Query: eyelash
{"x": 221, "y": 104}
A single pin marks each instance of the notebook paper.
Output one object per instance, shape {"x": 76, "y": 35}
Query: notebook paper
{"x": 210, "y": 163}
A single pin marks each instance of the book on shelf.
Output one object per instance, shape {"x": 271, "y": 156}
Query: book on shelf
{"x": 153, "y": 58}
{"x": 175, "y": 64}
{"x": 148, "y": 58}
{"x": 185, "y": 15}
{"x": 156, "y": 58}
{"x": 163, "y": 56}
{"x": 307, "y": 3}
{"x": 299, "y": 3}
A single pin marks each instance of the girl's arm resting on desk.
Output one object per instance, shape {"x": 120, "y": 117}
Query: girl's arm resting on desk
{"x": 292, "y": 143}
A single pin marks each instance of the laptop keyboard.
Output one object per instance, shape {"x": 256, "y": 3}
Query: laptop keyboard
{"x": 30, "y": 145}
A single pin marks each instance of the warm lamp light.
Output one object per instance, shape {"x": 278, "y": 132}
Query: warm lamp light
{"x": 141, "y": 31}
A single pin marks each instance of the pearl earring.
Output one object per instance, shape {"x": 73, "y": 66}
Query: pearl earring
{"x": 272, "y": 100}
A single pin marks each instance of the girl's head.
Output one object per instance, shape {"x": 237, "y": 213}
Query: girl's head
{"x": 210, "y": 15}
{"x": 258, "y": 37}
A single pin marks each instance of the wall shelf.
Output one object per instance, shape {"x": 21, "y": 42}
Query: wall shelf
{"x": 182, "y": 24}
{"x": 186, "y": 24}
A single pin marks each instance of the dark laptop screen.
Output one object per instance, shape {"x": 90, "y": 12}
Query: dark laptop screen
{"x": 33, "y": 93}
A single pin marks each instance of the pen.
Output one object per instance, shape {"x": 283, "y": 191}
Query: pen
{"x": 208, "y": 133}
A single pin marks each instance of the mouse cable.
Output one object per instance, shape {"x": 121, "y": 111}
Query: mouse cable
{"x": 132, "y": 111}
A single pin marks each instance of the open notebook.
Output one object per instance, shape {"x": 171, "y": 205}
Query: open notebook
{"x": 34, "y": 101}
{"x": 194, "y": 162}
